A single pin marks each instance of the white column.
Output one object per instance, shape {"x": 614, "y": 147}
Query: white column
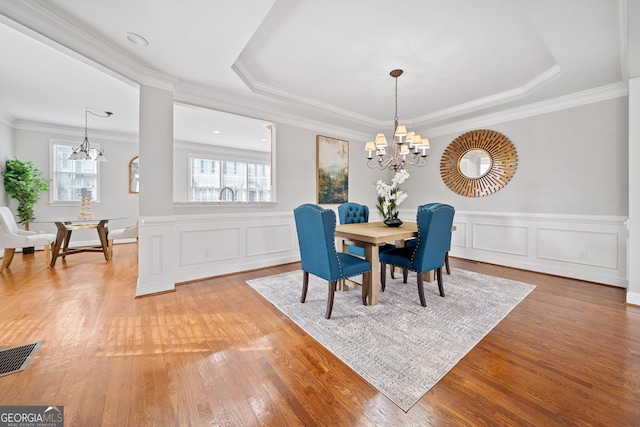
{"x": 155, "y": 259}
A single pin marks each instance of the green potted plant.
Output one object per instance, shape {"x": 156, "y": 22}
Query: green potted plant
{"x": 23, "y": 182}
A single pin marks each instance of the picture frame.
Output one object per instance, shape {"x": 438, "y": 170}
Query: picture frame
{"x": 332, "y": 170}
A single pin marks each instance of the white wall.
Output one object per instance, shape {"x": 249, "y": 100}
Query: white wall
{"x": 6, "y": 153}
{"x": 572, "y": 178}
{"x": 32, "y": 142}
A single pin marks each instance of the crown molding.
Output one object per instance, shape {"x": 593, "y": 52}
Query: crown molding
{"x": 6, "y": 119}
{"x": 193, "y": 94}
{"x": 73, "y": 132}
{"x": 30, "y": 17}
{"x": 520, "y": 92}
{"x": 578, "y": 99}
{"x": 490, "y": 101}
{"x": 264, "y": 89}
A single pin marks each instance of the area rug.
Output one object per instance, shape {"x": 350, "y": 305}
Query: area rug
{"x": 398, "y": 346}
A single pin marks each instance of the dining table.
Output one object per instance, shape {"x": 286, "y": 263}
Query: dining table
{"x": 371, "y": 236}
{"x": 66, "y": 226}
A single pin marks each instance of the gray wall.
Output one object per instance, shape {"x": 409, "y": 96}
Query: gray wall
{"x": 572, "y": 161}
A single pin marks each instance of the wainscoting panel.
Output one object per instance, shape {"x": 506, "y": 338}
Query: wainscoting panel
{"x": 459, "y": 238}
{"x": 155, "y": 255}
{"x": 585, "y": 247}
{"x": 190, "y": 247}
{"x": 268, "y": 239}
{"x": 501, "y": 238}
{"x": 212, "y": 245}
{"x": 216, "y": 244}
{"x": 591, "y": 248}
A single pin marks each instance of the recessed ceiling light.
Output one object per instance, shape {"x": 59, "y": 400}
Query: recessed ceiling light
{"x": 216, "y": 131}
{"x": 136, "y": 39}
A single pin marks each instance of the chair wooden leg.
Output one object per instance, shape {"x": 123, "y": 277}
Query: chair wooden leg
{"x": 47, "y": 254}
{"x": 8, "y": 257}
{"x": 440, "y": 284}
{"x": 446, "y": 262}
{"x": 332, "y": 292}
{"x": 405, "y": 275}
{"x": 423, "y": 302}
{"x": 365, "y": 287}
{"x": 393, "y": 271}
{"x": 110, "y": 248}
{"x": 305, "y": 285}
{"x": 383, "y": 275}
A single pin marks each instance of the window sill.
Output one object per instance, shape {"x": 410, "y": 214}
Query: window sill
{"x": 74, "y": 203}
{"x": 233, "y": 204}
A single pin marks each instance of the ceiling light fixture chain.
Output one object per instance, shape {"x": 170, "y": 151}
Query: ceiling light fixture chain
{"x": 409, "y": 148}
{"x": 83, "y": 151}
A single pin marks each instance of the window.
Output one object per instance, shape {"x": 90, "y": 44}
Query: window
{"x": 222, "y": 157}
{"x": 219, "y": 180}
{"x": 73, "y": 179}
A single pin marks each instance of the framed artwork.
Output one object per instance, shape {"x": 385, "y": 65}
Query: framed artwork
{"x": 332, "y": 170}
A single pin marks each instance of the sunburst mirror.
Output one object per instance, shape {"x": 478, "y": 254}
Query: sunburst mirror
{"x": 478, "y": 163}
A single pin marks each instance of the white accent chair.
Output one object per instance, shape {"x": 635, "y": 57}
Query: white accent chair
{"x": 130, "y": 232}
{"x": 11, "y": 237}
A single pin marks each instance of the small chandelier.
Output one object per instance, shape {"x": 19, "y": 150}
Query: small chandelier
{"x": 409, "y": 148}
{"x": 83, "y": 152}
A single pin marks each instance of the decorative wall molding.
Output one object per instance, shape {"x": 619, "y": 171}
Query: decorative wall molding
{"x": 585, "y": 247}
{"x": 191, "y": 247}
{"x": 205, "y": 245}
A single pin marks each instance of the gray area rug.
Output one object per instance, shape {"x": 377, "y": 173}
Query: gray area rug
{"x": 400, "y": 347}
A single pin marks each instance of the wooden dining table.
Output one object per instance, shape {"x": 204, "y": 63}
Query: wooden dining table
{"x": 65, "y": 228}
{"x": 370, "y": 236}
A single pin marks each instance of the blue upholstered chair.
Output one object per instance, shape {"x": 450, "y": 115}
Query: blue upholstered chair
{"x": 434, "y": 239}
{"x": 353, "y": 213}
{"x": 316, "y": 229}
{"x": 412, "y": 243}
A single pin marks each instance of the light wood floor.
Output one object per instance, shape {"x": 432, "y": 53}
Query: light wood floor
{"x": 215, "y": 353}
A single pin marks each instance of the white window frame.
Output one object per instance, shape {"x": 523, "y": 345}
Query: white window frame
{"x": 239, "y": 192}
{"x": 53, "y": 193}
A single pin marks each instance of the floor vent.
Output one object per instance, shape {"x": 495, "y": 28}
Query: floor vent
{"x": 16, "y": 359}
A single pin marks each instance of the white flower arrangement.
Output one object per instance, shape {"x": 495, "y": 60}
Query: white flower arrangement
{"x": 390, "y": 196}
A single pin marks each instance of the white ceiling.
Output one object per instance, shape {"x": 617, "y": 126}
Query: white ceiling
{"x": 325, "y": 60}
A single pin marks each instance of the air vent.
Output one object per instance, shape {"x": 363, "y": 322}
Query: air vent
{"x": 16, "y": 359}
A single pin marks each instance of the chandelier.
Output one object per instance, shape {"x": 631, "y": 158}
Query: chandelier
{"x": 409, "y": 148}
{"x": 83, "y": 152}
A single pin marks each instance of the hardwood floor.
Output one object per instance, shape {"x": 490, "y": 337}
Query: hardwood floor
{"x": 216, "y": 353}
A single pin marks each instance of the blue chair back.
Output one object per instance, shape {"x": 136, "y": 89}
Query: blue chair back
{"x": 434, "y": 236}
{"x": 316, "y": 229}
{"x": 350, "y": 213}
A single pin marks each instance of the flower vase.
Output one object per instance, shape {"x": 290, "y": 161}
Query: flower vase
{"x": 393, "y": 222}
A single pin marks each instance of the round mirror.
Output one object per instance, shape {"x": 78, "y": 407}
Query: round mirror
{"x": 478, "y": 163}
{"x": 474, "y": 163}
